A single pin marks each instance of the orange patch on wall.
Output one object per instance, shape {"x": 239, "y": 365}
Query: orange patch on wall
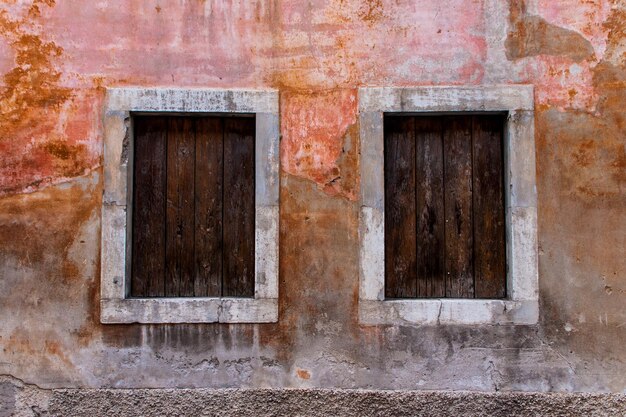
{"x": 59, "y": 147}
{"x": 45, "y": 128}
{"x": 32, "y": 226}
{"x": 303, "y": 374}
{"x": 371, "y": 11}
{"x": 69, "y": 160}
{"x": 19, "y": 344}
{"x": 585, "y": 153}
{"x": 54, "y": 348}
{"x": 32, "y": 87}
{"x": 314, "y": 127}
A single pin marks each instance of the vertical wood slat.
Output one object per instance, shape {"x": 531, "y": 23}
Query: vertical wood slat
{"x": 182, "y": 201}
{"x": 400, "y": 230}
{"x": 430, "y": 211}
{"x": 208, "y": 207}
{"x": 460, "y": 229}
{"x": 488, "y": 203}
{"x": 180, "y": 208}
{"x": 458, "y": 207}
{"x": 239, "y": 210}
{"x": 148, "y": 228}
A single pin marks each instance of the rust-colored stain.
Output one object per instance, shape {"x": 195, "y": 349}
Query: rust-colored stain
{"x": 584, "y": 153}
{"x": 33, "y": 85}
{"x": 532, "y": 36}
{"x": 319, "y": 139}
{"x": 609, "y": 79}
{"x": 34, "y": 226}
{"x": 35, "y": 8}
{"x": 40, "y": 232}
{"x": 303, "y": 373}
{"x": 42, "y": 123}
{"x": 346, "y": 183}
{"x": 371, "y": 11}
{"x": 48, "y": 352}
{"x": 318, "y": 269}
{"x": 70, "y": 160}
{"x": 54, "y": 348}
{"x": 581, "y": 185}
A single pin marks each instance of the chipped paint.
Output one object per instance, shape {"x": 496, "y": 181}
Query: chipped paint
{"x": 42, "y": 123}
{"x": 318, "y": 138}
{"x": 534, "y": 36}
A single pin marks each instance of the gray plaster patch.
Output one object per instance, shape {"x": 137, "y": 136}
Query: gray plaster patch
{"x": 18, "y": 399}
{"x": 7, "y": 398}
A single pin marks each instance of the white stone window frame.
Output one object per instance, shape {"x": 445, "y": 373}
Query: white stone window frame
{"x": 521, "y": 306}
{"x": 116, "y": 306}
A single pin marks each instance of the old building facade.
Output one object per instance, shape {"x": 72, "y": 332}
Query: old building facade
{"x": 319, "y": 76}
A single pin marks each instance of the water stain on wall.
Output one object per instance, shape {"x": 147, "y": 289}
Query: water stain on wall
{"x": 69, "y": 160}
{"x": 582, "y": 193}
{"x": 533, "y": 35}
{"x": 32, "y": 87}
{"x": 49, "y": 262}
{"x": 318, "y": 284}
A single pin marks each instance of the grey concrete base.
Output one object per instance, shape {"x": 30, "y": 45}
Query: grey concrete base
{"x": 329, "y": 403}
{"x": 313, "y": 402}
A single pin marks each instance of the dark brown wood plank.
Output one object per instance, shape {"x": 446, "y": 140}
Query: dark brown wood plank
{"x": 239, "y": 212}
{"x": 430, "y": 213}
{"x": 400, "y": 232}
{"x": 180, "y": 208}
{"x": 148, "y": 229}
{"x": 458, "y": 206}
{"x": 208, "y": 207}
{"x": 488, "y": 204}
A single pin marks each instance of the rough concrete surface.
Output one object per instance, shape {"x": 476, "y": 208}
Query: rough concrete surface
{"x": 18, "y": 399}
{"x": 302, "y": 402}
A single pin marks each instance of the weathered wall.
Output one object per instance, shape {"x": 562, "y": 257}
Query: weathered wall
{"x": 55, "y": 60}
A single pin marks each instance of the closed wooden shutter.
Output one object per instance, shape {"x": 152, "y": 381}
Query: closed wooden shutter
{"x": 193, "y": 207}
{"x": 444, "y": 207}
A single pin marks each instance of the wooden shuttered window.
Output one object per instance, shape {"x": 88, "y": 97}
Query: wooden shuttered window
{"x": 193, "y": 207}
{"x": 444, "y": 207}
